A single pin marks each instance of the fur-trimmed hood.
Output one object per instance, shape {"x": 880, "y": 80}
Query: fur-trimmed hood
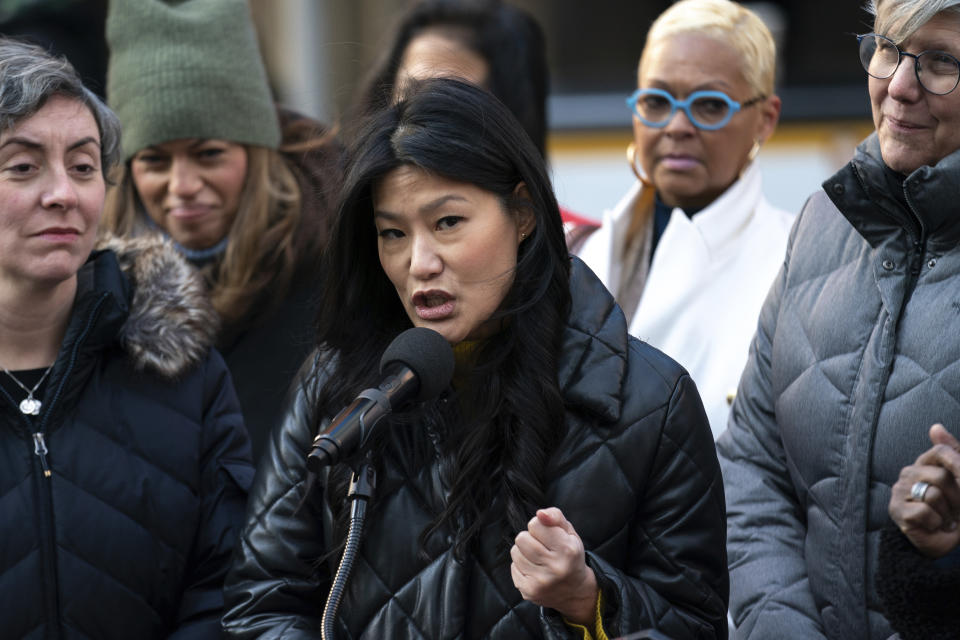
{"x": 171, "y": 324}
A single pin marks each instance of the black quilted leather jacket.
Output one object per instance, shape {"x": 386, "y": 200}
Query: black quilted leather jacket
{"x": 637, "y": 475}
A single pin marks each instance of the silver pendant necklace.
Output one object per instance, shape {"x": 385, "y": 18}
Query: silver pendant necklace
{"x": 29, "y": 405}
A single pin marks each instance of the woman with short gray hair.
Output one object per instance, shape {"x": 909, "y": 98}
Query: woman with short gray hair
{"x": 830, "y": 442}
{"x": 123, "y": 458}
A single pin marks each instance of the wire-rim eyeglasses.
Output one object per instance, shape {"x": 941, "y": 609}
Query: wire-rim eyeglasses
{"x": 938, "y": 72}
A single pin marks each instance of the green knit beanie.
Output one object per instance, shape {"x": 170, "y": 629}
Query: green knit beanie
{"x": 187, "y": 69}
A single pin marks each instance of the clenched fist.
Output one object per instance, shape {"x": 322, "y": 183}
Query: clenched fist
{"x": 549, "y": 568}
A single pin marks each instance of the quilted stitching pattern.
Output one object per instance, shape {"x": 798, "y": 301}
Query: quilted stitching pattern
{"x": 637, "y": 434}
{"x": 863, "y": 359}
{"x": 134, "y": 515}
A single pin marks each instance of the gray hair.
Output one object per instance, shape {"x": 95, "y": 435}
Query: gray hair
{"x": 899, "y": 19}
{"x": 29, "y": 76}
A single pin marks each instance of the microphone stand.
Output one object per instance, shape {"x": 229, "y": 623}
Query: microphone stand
{"x": 361, "y": 489}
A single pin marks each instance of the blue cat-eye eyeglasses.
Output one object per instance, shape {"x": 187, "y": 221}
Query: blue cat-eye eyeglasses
{"x": 707, "y": 110}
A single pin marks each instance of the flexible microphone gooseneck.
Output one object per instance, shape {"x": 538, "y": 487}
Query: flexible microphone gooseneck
{"x": 417, "y": 366}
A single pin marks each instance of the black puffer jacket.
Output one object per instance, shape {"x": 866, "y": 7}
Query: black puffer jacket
{"x": 637, "y": 476}
{"x": 130, "y": 534}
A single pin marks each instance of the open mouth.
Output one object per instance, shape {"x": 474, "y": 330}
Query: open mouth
{"x": 430, "y": 299}
{"x": 433, "y": 305}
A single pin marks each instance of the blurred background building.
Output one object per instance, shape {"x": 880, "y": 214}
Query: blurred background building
{"x": 317, "y": 52}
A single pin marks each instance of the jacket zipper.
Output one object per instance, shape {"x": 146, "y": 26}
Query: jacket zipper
{"x": 48, "y": 546}
{"x": 919, "y": 242}
{"x": 48, "y": 555}
{"x": 40, "y": 450}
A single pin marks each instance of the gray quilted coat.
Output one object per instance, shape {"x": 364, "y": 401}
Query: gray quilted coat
{"x": 637, "y": 476}
{"x": 856, "y": 355}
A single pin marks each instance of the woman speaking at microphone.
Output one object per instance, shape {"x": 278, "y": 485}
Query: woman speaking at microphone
{"x": 563, "y": 486}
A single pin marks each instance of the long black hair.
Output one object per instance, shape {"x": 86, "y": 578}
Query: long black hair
{"x": 499, "y": 452}
{"x": 509, "y": 39}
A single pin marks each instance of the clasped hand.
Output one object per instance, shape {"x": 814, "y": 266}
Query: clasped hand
{"x": 931, "y": 524}
{"x": 549, "y": 567}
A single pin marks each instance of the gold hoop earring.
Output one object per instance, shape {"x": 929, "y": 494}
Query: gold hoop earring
{"x": 632, "y": 161}
{"x": 754, "y": 150}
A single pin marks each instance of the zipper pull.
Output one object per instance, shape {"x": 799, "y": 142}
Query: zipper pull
{"x": 40, "y": 449}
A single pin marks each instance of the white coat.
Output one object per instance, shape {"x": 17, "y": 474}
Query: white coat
{"x": 707, "y": 281}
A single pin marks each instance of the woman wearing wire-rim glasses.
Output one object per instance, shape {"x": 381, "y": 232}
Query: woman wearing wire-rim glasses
{"x": 690, "y": 251}
{"x": 855, "y": 358}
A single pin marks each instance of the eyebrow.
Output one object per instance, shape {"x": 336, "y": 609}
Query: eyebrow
{"x": 938, "y": 45}
{"x": 33, "y": 144}
{"x": 439, "y": 202}
{"x": 83, "y": 141}
{"x": 429, "y": 207}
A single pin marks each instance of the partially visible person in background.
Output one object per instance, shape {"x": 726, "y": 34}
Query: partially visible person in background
{"x": 489, "y": 43}
{"x": 124, "y": 464}
{"x": 690, "y": 251}
{"x": 243, "y": 192}
{"x": 854, "y": 359}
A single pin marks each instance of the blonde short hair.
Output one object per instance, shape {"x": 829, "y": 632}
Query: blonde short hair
{"x": 728, "y": 22}
{"x": 899, "y": 19}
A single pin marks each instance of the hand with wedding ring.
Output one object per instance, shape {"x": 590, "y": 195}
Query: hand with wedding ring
{"x": 925, "y": 501}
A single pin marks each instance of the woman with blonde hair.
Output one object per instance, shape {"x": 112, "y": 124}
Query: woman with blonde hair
{"x": 690, "y": 251}
{"x": 241, "y": 190}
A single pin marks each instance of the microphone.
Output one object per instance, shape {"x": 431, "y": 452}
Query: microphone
{"x": 417, "y": 366}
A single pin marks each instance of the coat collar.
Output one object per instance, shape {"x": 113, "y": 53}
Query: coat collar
{"x": 721, "y": 222}
{"x": 861, "y": 191}
{"x": 717, "y": 225}
{"x": 138, "y": 294}
{"x": 154, "y": 301}
{"x": 593, "y": 364}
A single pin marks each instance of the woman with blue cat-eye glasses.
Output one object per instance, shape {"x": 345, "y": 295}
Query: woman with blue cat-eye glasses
{"x": 691, "y": 249}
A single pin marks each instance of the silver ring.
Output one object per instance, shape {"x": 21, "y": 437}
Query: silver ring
{"x": 919, "y": 490}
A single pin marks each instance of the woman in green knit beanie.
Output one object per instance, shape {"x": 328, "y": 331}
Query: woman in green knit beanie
{"x": 244, "y": 190}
